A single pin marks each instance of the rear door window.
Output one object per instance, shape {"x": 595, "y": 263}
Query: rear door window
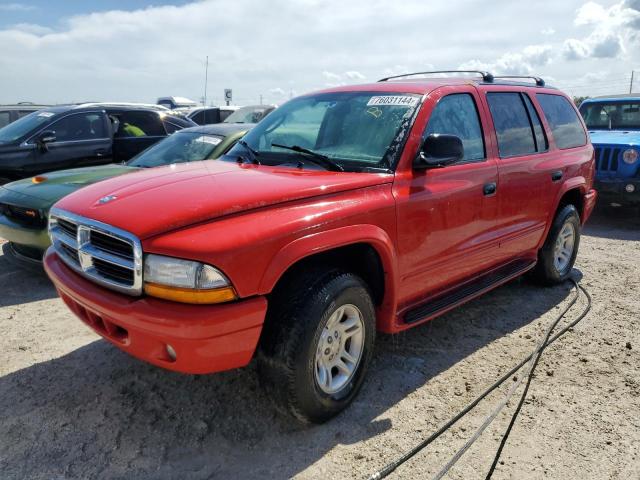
{"x": 140, "y": 124}
{"x": 564, "y": 122}
{"x": 79, "y": 126}
{"x": 457, "y": 115}
{"x": 513, "y": 127}
{"x": 5, "y": 118}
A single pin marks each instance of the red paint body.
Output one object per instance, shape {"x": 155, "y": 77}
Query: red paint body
{"x": 433, "y": 230}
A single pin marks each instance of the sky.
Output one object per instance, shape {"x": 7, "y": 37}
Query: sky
{"x": 136, "y": 50}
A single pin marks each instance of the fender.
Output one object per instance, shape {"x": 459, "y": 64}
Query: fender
{"x": 340, "y": 237}
{"x": 572, "y": 183}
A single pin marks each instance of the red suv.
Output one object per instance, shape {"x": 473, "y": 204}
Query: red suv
{"x": 344, "y": 212}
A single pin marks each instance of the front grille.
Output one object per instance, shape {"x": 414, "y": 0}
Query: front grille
{"x": 107, "y": 255}
{"x": 113, "y": 245}
{"x": 607, "y": 159}
{"x": 27, "y": 217}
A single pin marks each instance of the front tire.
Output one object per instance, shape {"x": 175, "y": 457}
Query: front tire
{"x": 558, "y": 254}
{"x": 317, "y": 343}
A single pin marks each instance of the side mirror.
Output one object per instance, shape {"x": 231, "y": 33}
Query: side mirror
{"x": 46, "y": 137}
{"x": 439, "y": 150}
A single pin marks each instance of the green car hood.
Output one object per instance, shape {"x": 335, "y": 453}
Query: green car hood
{"x": 57, "y": 185}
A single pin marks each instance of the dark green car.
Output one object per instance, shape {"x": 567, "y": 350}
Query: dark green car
{"x": 25, "y": 204}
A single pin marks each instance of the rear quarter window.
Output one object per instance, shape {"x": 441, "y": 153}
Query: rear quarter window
{"x": 563, "y": 120}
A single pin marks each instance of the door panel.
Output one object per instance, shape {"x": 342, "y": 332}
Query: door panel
{"x": 63, "y": 155}
{"x": 524, "y": 165}
{"x": 446, "y": 222}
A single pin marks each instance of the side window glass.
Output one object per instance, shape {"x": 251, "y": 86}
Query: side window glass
{"x": 5, "y": 118}
{"x": 538, "y": 132}
{"x": 563, "y": 120}
{"x": 212, "y": 115}
{"x": 140, "y": 124}
{"x": 81, "y": 126}
{"x": 24, "y": 113}
{"x": 199, "y": 117}
{"x": 171, "y": 127}
{"x": 457, "y": 115}
{"x": 511, "y": 121}
{"x": 224, "y": 114}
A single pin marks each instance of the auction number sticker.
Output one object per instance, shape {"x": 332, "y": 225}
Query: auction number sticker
{"x": 393, "y": 101}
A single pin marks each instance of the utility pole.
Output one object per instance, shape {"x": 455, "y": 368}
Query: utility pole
{"x": 260, "y": 99}
{"x": 206, "y": 77}
{"x": 631, "y": 83}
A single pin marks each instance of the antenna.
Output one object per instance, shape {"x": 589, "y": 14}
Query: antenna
{"x": 206, "y": 76}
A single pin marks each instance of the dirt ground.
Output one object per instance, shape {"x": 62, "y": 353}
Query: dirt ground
{"x": 73, "y": 406}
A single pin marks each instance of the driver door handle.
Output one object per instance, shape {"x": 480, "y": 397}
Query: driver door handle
{"x": 101, "y": 152}
{"x": 489, "y": 188}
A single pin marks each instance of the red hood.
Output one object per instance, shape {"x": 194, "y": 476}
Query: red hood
{"x": 158, "y": 200}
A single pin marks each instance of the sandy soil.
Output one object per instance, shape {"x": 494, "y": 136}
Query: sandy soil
{"x": 73, "y": 406}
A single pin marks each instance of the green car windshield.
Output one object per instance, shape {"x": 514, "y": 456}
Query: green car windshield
{"x": 24, "y": 125}
{"x": 618, "y": 115}
{"x": 359, "y": 131}
{"x": 179, "y": 147}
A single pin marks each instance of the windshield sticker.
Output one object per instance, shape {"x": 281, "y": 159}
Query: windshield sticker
{"x": 46, "y": 114}
{"x": 207, "y": 139}
{"x": 393, "y": 101}
{"x": 375, "y": 112}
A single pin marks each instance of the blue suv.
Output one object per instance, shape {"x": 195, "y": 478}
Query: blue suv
{"x": 614, "y": 127}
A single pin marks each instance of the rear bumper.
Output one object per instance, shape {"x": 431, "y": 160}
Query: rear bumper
{"x": 614, "y": 190}
{"x": 206, "y": 338}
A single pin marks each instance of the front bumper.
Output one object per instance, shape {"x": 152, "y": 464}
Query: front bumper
{"x": 614, "y": 190}
{"x": 205, "y": 338}
{"x": 31, "y": 238}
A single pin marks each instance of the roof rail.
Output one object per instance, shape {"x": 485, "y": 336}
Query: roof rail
{"x": 539, "y": 81}
{"x": 486, "y": 76}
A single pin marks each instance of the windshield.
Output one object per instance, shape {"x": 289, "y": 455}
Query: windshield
{"x": 611, "y": 115}
{"x": 24, "y": 125}
{"x": 248, "y": 115}
{"x": 179, "y": 147}
{"x": 356, "y": 130}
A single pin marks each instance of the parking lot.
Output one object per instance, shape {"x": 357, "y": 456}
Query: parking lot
{"x": 73, "y": 406}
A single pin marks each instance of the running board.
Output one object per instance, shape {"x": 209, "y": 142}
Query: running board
{"x": 442, "y": 303}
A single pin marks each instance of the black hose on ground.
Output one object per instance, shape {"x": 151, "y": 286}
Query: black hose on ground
{"x": 391, "y": 467}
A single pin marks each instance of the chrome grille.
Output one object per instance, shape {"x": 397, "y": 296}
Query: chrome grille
{"x": 106, "y": 255}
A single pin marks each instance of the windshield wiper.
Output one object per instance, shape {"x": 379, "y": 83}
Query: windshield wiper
{"x": 315, "y": 157}
{"x": 254, "y": 153}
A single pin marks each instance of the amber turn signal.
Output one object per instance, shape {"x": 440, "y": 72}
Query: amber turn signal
{"x": 38, "y": 179}
{"x": 189, "y": 295}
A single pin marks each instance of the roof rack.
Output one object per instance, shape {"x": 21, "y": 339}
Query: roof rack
{"x": 539, "y": 81}
{"x": 486, "y": 76}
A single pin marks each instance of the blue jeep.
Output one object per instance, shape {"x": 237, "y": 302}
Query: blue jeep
{"x": 614, "y": 127}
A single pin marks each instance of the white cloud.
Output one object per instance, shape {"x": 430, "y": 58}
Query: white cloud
{"x": 353, "y": 75}
{"x": 590, "y": 13}
{"x": 547, "y": 31}
{"x": 31, "y": 28}
{"x": 515, "y": 63}
{"x": 16, "y": 7}
{"x": 574, "y": 49}
{"x": 277, "y": 92}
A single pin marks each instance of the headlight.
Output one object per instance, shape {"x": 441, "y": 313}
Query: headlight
{"x": 630, "y": 156}
{"x": 185, "y": 281}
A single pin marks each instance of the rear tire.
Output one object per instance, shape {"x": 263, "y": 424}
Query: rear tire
{"x": 558, "y": 254}
{"x": 317, "y": 343}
